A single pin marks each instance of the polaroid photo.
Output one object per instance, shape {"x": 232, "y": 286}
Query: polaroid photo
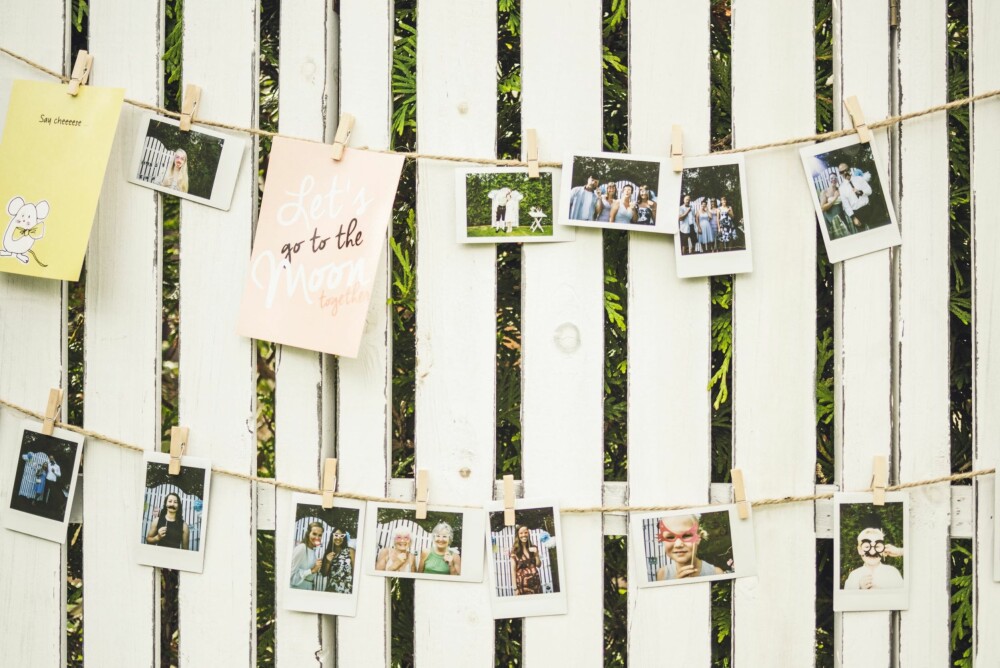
{"x": 490, "y": 203}
{"x": 173, "y": 526}
{"x": 200, "y": 165}
{"x": 695, "y": 545}
{"x": 325, "y": 553}
{"x": 446, "y": 545}
{"x": 869, "y": 552}
{"x": 713, "y": 222}
{"x": 850, "y": 193}
{"x": 525, "y": 561}
{"x": 618, "y": 191}
{"x": 44, "y": 482}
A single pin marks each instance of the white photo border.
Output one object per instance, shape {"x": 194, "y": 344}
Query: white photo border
{"x": 165, "y": 557}
{"x": 41, "y": 527}
{"x": 535, "y": 605}
{"x": 321, "y": 602}
{"x": 471, "y": 549}
{"x": 884, "y": 599}
{"x": 740, "y": 531}
{"x": 668, "y": 189}
{"x": 233, "y": 150}
{"x": 718, "y": 263}
{"x": 860, "y": 243}
{"x": 559, "y": 232}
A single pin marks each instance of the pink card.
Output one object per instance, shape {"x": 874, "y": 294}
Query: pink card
{"x": 321, "y": 230}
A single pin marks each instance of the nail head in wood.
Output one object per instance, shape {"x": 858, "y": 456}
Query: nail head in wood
{"x": 880, "y": 478}
{"x": 422, "y": 485}
{"x": 531, "y": 153}
{"x": 192, "y": 98}
{"x": 858, "y": 119}
{"x": 508, "y": 501}
{"x": 329, "y": 482}
{"x": 740, "y": 494}
{"x": 677, "y": 148}
{"x": 178, "y": 444}
{"x": 52, "y": 410}
{"x": 81, "y": 72}
{"x": 344, "y": 129}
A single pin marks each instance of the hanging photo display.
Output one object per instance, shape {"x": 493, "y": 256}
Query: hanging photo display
{"x": 53, "y": 155}
{"x": 713, "y": 221}
{"x": 199, "y": 165}
{"x": 321, "y": 230}
{"x": 524, "y": 561}
{"x": 446, "y": 545}
{"x": 869, "y": 552}
{"x": 694, "y": 545}
{"x": 173, "y": 528}
{"x": 850, "y": 193}
{"x": 324, "y": 556}
{"x": 618, "y": 191}
{"x": 44, "y": 482}
{"x": 504, "y": 205}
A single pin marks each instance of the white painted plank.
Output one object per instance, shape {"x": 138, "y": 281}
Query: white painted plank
{"x": 563, "y": 329}
{"x": 669, "y": 327}
{"x": 774, "y": 326}
{"x": 122, "y": 384}
{"x": 862, "y": 316}
{"x": 217, "y": 385}
{"x": 33, "y": 604}
{"x": 301, "y": 387}
{"x": 985, "y": 54}
{"x": 364, "y": 383}
{"x": 456, "y": 302}
{"x": 922, "y": 330}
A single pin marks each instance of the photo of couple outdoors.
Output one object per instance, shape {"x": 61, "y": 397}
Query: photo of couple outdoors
{"x": 40, "y": 486}
{"x": 525, "y": 558}
{"x": 406, "y": 545}
{"x": 172, "y": 507}
{"x": 613, "y": 191}
{"x": 710, "y": 218}
{"x": 850, "y": 193}
{"x": 497, "y": 201}
{"x": 325, "y": 549}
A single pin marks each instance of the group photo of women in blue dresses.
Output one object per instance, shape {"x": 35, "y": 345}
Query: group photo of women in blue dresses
{"x": 710, "y": 217}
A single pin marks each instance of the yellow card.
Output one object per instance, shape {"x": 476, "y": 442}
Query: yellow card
{"x": 53, "y": 154}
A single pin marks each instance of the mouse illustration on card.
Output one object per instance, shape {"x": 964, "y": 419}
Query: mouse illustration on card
{"x": 27, "y": 225}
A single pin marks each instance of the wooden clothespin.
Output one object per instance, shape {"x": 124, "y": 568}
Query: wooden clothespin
{"x": 81, "y": 72}
{"x": 740, "y": 494}
{"x": 531, "y": 152}
{"x": 421, "y": 494}
{"x": 329, "y": 482}
{"x": 880, "y": 476}
{"x": 344, "y": 129}
{"x": 677, "y": 148}
{"x": 178, "y": 444}
{"x": 508, "y": 500}
{"x": 858, "y": 119}
{"x": 52, "y": 411}
{"x": 192, "y": 98}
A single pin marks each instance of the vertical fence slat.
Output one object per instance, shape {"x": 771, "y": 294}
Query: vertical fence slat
{"x": 456, "y": 304}
{"x": 33, "y": 604}
{"x": 301, "y": 386}
{"x": 364, "y": 385}
{"x": 922, "y": 327}
{"x": 774, "y": 333}
{"x": 217, "y": 385}
{"x": 862, "y": 317}
{"x": 985, "y": 54}
{"x": 123, "y": 332}
{"x": 562, "y": 329}
{"x": 669, "y": 328}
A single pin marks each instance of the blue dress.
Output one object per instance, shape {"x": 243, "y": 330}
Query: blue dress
{"x": 623, "y": 215}
{"x": 707, "y": 234}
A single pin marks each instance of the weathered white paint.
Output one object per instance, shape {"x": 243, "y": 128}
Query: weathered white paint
{"x": 862, "y": 317}
{"x": 302, "y": 387}
{"x": 669, "y": 327}
{"x": 984, "y": 17}
{"x": 774, "y": 325}
{"x": 922, "y": 329}
{"x": 563, "y": 328}
{"x": 123, "y": 331}
{"x": 456, "y": 304}
{"x": 217, "y": 387}
{"x": 364, "y": 385}
{"x": 33, "y": 604}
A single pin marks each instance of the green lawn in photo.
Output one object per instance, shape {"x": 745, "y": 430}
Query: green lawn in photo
{"x": 520, "y": 231}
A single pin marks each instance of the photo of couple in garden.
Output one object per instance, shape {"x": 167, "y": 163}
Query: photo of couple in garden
{"x": 501, "y": 205}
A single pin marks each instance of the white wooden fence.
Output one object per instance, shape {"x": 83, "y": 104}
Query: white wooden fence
{"x": 891, "y": 333}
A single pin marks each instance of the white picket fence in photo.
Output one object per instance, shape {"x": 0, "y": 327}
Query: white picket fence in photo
{"x": 153, "y": 500}
{"x": 499, "y": 551}
{"x": 892, "y": 344}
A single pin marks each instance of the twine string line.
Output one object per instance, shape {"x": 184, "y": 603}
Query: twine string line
{"x": 763, "y": 503}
